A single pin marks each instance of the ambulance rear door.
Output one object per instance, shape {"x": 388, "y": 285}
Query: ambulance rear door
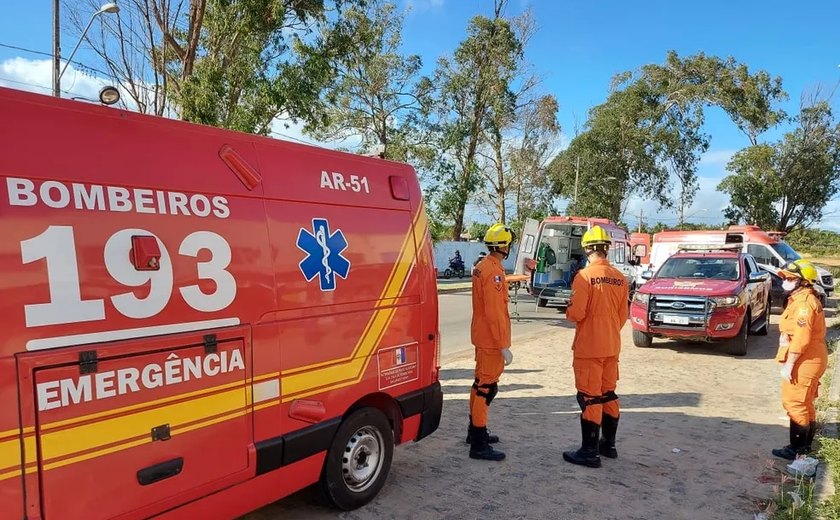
{"x": 527, "y": 245}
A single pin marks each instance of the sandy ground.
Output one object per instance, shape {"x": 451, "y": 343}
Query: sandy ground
{"x": 722, "y": 413}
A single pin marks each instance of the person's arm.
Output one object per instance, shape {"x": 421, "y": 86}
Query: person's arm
{"x": 580, "y": 299}
{"x": 800, "y": 338}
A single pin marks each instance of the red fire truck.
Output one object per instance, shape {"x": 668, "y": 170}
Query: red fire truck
{"x": 198, "y": 322}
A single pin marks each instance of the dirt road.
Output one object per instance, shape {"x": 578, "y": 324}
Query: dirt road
{"x": 694, "y": 441}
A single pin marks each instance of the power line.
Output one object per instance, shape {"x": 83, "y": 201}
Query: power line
{"x": 35, "y": 85}
{"x": 41, "y": 53}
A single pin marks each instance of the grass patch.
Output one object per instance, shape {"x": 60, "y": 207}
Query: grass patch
{"x": 794, "y": 500}
{"x": 830, "y": 453}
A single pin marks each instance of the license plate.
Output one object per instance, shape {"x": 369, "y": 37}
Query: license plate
{"x": 675, "y": 320}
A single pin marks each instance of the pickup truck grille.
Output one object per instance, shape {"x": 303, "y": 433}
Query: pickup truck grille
{"x": 678, "y": 312}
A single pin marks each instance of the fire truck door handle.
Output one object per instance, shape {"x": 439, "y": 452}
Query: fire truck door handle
{"x": 161, "y": 471}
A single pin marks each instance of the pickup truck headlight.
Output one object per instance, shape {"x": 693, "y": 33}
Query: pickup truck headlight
{"x": 641, "y": 298}
{"x": 725, "y": 302}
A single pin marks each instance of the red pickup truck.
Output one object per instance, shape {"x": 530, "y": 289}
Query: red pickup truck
{"x": 706, "y": 293}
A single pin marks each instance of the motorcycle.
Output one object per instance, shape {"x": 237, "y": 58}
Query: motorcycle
{"x": 456, "y": 268}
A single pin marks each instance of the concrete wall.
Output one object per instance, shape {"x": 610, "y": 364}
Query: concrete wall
{"x": 445, "y": 249}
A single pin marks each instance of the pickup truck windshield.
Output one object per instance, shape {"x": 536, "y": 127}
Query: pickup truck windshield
{"x": 700, "y": 268}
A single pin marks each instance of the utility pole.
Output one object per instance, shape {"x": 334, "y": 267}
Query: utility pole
{"x": 641, "y": 216}
{"x": 56, "y": 73}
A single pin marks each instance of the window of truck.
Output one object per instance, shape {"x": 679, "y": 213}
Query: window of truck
{"x": 761, "y": 253}
{"x": 700, "y": 268}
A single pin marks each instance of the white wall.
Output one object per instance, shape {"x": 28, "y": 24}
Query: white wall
{"x": 445, "y": 249}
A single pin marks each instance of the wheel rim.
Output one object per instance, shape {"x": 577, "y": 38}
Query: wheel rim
{"x": 363, "y": 458}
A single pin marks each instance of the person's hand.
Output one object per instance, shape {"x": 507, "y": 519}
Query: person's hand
{"x": 787, "y": 372}
{"x": 784, "y": 340}
{"x": 508, "y": 355}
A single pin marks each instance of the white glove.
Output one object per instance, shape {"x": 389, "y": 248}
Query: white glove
{"x": 508, "y": 355}
{"x": 784, "y": 340}
{"x": 787, "y": 372}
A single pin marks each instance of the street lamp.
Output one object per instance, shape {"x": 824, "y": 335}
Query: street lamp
{"x": 109, "y": 8}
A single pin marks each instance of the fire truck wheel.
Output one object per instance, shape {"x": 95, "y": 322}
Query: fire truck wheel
{"x": 358, "y": 461}
{"x": 737, "y": 346}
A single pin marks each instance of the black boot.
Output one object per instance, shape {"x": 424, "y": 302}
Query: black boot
{"x": 809, "y": 441}
{"x": 587, "y": 455}
{"x": 798, "y": 438}
{"x": 491, "y": 439}
{"x": 609, "y": 425}
{"x": 480, "y": 448}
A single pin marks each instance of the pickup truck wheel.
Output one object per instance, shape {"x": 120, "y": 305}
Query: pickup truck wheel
{"x": 642, "y": 339}
{"x": 737, "y": 346}
{"x": 766, "y": 328}
{"x": 358, "y": 460}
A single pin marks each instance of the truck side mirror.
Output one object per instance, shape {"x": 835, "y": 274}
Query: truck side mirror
{"x": 647, "y": 275}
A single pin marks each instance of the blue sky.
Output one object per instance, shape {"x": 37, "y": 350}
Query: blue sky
{"x": 579, "y": 47}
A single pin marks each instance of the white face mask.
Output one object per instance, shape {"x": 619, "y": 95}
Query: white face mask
{"x": 789, "y": 285}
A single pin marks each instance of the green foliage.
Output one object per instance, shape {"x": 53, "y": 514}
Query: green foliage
{"x": 378, "y": 92}
{"x": 786, "y": 185}
{"x": 470, "y": 82}
{"x": 478, "y": 230}
{"x": 816, "y": 242}
{"x": 244, "y": 62}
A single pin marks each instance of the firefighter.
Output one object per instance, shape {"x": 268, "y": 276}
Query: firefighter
{"x": 598, "y": 307}
{"x": 490, "y": 332}
{"x": 803, "y": 354}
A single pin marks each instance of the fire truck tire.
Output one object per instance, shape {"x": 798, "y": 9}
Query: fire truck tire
{"x": 737, "y": 346}
{"x": 642, "y": 339}
{"x": 358, "y": 460}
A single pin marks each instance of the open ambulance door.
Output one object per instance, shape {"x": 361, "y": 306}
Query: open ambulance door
{"x": 527, "y": 245}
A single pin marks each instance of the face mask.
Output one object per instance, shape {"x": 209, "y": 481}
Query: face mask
{"x": 789, "y": 285}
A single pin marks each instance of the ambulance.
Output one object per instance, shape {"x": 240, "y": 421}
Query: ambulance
{"x": 551, "y": 252}
{"x": 768, "y": 249}
{"x": 198, "y": 322}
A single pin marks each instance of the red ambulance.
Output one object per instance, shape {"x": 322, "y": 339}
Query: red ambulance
{"x": 198, "y": 322}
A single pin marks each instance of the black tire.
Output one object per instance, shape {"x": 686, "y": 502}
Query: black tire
{"x": 447, "y": 274}
{"x": 461, "y": 273}
{"x": 542, "y": 302}
{"x": 763, "y": 331}
{"x": 737, "y": 346}
{"x": 365, "y": 437}
{"x": 642, "y": 339}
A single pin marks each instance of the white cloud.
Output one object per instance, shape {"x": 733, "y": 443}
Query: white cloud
{"x": 720, "y": 157}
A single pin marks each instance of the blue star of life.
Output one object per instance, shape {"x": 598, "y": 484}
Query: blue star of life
{"x": 324, "y": 259}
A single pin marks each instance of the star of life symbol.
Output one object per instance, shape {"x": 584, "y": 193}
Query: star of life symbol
{"x": 323, "y": 249}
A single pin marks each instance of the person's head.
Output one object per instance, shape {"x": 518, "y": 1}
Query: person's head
{"x": 498, "y": 240}
{"x": 596, "y": 242}
{"x": 457, "y": 253}
{"x": 799, "y": 273}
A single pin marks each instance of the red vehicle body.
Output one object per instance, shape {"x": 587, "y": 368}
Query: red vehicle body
{"x": 195, "y": 319}
{"x": 709, "y": 304}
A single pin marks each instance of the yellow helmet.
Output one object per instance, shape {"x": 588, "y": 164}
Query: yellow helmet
{"x": 801, "y": 269}
{"x": 498, "y": 235}
{"x": 596, "y": 236}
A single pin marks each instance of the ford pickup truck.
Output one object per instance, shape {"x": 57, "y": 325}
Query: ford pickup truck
{"x": 706, "y": 293}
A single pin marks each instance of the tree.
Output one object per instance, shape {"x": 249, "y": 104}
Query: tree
{"x": 470, "y": 82}
{"x": 232, "y": 63}
{"x": 786, "y": 185}
{"x": 378, "y": 93}
{"x": 519, "y": 136}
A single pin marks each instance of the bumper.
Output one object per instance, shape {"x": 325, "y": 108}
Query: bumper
{"x": 428, "y": 403}
{"x": 720, "y": 325}
{"x": 553, "y": 294}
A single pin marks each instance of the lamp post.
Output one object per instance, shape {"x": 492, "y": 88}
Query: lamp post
{"x": 58, "y": 71}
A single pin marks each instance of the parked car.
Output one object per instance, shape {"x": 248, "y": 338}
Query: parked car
{"x": 710, "y": 293}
